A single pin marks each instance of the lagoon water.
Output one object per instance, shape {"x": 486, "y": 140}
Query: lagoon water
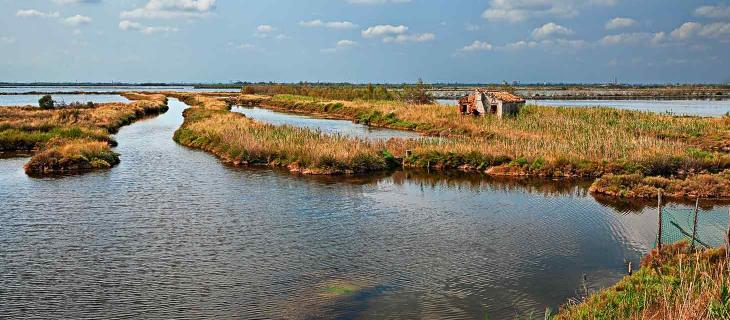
{"x": 705, "y": 108}
{"x": 173, "y": 233}
{"x": 110, "y": 89}
{"x": 32, "y": 100}
{"x": 328, "y": 126}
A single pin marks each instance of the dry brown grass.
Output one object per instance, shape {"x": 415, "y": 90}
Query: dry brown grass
{"x": 706, "y": 186}
{"x": 597, "y": 138}
{"x": 242, "y": 141}
{"x": 72, "y": 156}
{"x": 29, "y": 128}
{"x": 541, "y": 141}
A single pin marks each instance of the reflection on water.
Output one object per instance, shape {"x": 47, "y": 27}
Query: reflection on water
{"x": 32, "y": 100}
{"x": 341, "y": 127}
{"x": 708, "y": 108}
{"x": 172, "y": 233}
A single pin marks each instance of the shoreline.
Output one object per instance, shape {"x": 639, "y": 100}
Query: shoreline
{"x": 396, "y": 151}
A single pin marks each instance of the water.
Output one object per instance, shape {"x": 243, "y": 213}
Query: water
{"x": 110, "y": 89}
{"x": 32, "y": 100}
{"x": 173, "y": 233}
{"x": 328, "y": 126}
{"x": 707, "y": 108}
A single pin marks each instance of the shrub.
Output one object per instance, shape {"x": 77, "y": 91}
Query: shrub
{"x": 46, "y": 102}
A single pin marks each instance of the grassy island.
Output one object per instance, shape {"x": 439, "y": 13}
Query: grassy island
{"x": 631, "y": 153}
{"x": 72, "y": 138}
{"x": 673, "y": 283}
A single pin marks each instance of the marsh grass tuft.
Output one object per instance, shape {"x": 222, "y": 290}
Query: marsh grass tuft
{"x": 673, "y": 283}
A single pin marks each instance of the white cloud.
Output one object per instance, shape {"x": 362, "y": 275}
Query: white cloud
{"x": 686, "y": 30}
{"x": 341, "y": 45}
{"x": 77, "y": 20}
{"x": 166, "y": 9}
{"x": 716, "y": 30}
{"x": 328, "y": 24}
{"x": 519, "y": 45}
{"x": 127, "y": 25}
{"x": 619, "y": 22}
{"x": 718, "y": 12}
{"x": 8, "y": 40}
{"x": 520, "y": 10}
{"x": 265, "y": 28}
{"x": 477, "y": 46}
{"x": 346, "y": 43}
{"x": 383, "y": 30}
{"x": 32, "y": 13}
{"x": 627, "y": 38}
{"x": 658, "y": 38}
{"x": 550, "y": 30}
{"x": 403, "y": 38}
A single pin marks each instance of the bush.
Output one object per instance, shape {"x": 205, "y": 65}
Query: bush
{"x": 46, "y": 102}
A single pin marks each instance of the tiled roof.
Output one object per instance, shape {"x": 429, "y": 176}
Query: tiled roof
{"x": 503, "y": 95}
{"x": 506, "y": 97}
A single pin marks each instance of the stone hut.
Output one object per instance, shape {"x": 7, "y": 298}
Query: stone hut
{"x": 500, "y": 103}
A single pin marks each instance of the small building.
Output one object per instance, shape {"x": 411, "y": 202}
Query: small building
{"x": 500, "y": 103}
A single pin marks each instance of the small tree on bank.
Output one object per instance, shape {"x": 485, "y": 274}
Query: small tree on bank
{"x": 417, "y": 94}
{"x": 46, "y": 102}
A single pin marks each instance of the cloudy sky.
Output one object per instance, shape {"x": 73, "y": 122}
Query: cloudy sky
{"x": 655, "y": 41}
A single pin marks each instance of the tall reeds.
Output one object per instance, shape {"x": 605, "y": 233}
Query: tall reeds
{"x": 673, "y": 283}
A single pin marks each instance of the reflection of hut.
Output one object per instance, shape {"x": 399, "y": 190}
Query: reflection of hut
{"x": 500, "y": 103}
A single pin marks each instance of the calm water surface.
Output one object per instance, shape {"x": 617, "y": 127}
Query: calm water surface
{"x": 32, "y": 100}
{"x": 341, "y": 127}
{"x": 172, "y": 233}
{"x": 108, "y": 89}
{"x": 708, "y": 108}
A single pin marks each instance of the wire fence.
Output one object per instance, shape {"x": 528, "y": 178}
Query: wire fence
{"x": 701, "y": 228}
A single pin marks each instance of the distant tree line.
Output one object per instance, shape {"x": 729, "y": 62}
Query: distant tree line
{"x": 417, "y": 93}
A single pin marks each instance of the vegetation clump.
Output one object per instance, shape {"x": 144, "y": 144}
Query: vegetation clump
{"x": 709, "y": 186}
{"x": 541, "y": 141}
{"x": 672, "y": 283}
{"x": 69, "y": 139}
{"x": 72, "y": 156}
{"x": 46, "y": 102}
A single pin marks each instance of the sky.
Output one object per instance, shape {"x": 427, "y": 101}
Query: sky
{"x": 363, "y": 41}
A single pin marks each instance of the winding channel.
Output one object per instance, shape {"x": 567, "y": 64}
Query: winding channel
{"x": 173, "y": 233}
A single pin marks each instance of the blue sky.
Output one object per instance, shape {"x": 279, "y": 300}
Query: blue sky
{"x": 657, "y": 41}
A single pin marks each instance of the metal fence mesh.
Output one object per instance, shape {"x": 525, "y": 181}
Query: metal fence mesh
{"x": 678, "y": 224}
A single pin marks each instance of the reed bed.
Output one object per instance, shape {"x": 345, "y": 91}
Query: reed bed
{"x": 242, "y": 141}
{"x": 71, "y": 157}
{"x": 706, "y": 186}
{"x": 79, "y": 126}
{"x": 673, "y": 283}
{"x": 545, "y": 141}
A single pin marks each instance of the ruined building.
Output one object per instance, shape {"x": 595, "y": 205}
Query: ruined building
{"x": 500, "y": 103}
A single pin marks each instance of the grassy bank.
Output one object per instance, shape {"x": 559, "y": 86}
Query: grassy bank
{"x": 671, "y": 284}
{"x": 541, "y": 141}
{"x": 712, "y": 186}
{"x": 74, "y": 138}
{"x": 241, "y": 141}
{"x": 544, "y": 141}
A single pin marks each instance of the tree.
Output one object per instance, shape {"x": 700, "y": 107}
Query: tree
{"x": 418, "y": 94}
{"x": 46, "y": 102}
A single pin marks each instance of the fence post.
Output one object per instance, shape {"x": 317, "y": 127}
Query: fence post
{"x": 694, "y": 224}
{"x": 659, "y": 210}
{"x": 727, "y": 237}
